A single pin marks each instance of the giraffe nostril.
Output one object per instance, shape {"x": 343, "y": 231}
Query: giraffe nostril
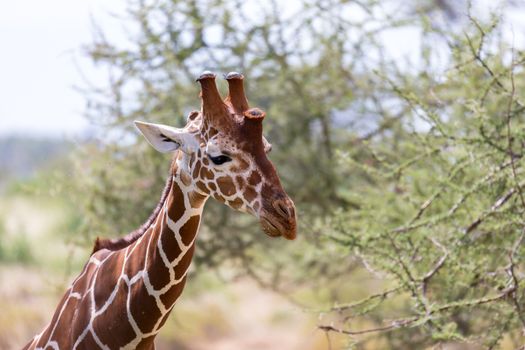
{"x": 282, "y": 208}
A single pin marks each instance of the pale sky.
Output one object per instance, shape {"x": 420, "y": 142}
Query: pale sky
{"x": 40, "y": 52}
{"x": 40, "y": 41}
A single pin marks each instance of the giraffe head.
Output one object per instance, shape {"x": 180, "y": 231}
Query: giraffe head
{"x": 223, "y": 154}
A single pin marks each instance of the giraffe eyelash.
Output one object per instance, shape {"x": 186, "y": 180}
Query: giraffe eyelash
{"x": 221, "y": 159}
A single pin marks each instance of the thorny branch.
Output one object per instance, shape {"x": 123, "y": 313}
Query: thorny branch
{"x": 436, "y": 268}
{"x": 515, "y": 284}
{"x": 382, "y": 295}
{"x": 498, "y": 204}
{"x": 476, "y": 52}
{"x": 509, "y": 137}
{"x": 406, "y": 322}
{"x": 496, "y": 177}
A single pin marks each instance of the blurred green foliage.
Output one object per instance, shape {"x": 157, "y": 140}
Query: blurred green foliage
{"x": 16, "y": 250}
{"x": 2, "y": 242}
{"x": 407, "y": 172}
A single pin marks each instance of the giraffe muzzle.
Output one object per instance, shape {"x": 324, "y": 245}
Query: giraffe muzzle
{"x": 280, "y": 220}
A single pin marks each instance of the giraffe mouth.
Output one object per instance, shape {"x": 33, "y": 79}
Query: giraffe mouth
{"x": 273, "y": 228}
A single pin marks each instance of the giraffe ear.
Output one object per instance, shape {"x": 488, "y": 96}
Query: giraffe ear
{"x": 267, "y": 145}
{"x": 165, "y": 138}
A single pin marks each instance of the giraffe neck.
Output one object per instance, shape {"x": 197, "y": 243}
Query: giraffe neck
{"x": 123, "y": 297}
{"x": 169, "y": 246}
{"x": 172, "y": 240}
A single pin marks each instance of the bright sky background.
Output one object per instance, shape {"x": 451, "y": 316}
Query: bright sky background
{"x": 40, "y": 47}
{"x": 40, "y": 56}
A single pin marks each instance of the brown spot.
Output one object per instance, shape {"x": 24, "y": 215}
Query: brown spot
{"x": 169, "y": 244}
{"x": 147, "y": 343}
{"x": 254, "y": 178}
{"x": 205, "y": 161}
{"x": 184, "y": 264}
{"x": 192, "y": 159}
{"x": 112, "y": 326}
{"x": 185, "y": 178}
{"x": 226, "y": 186}
{"x": 240, "y": 181}
{"x": 202, "y": 186}
{"x": 143, "y": 308}
{"x": 176, "y": 204}
{"x": 67, "y": 316}
{"x": 256, "y": 207}
{"x": 81, "y": 284}
{"x": 206, "y": 173}
{"x": 82, "y": 318}
{"x": 236, "y": 204}
{"x": 108, "y": 274}
{"x": 218, "y": 197}
{"x": 159, "y": 274}
{"x": 212, "y": 186}
{"x": 242, "y": 165}
{"x": 135, "y": 261}
{"x": 173, "y": 293}
{"x": 250, "y": 194}
{"x": 189, "y": 229}
{"x": 87, "y": 343}
{"x": 197, "y": 169}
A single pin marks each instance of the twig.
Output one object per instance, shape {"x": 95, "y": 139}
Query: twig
{"x": 358, "y": 303}
{"x": 436, "y": 268}
{"x": 514, "y": 278}
{"x": 478, "y": 184}
{"x": 477, "y": 55}
{"x": 405, "y": 322}
{"x": 499, "y": 203}
{"x": 395, "y": 324}
{"x": 437, "y": 193}
{"x": 412, "y": 225}
{"x": 509, "y": 138}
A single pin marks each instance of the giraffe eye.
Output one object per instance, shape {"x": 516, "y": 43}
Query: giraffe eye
{"x": 219, "y": 159}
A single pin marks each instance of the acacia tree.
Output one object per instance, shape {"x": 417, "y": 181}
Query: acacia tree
{"x": 409, "y": 174}
{"x": 302, "y": 66}
{"x": 440, "y": 204}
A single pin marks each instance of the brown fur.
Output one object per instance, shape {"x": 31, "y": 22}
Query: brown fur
{"x": 129, "y": 285}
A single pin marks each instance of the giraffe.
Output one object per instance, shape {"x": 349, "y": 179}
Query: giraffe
{"x": 128, "y": 287}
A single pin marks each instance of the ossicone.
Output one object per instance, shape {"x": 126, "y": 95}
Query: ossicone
{"x": 254, "y": 114}
{"x": 217, "y": 111}
{"x": 214, "y": 110}
{"x": 236, "y": 97}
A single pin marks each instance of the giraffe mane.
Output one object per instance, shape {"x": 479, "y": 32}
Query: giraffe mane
{"x": 123, "y": 242}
